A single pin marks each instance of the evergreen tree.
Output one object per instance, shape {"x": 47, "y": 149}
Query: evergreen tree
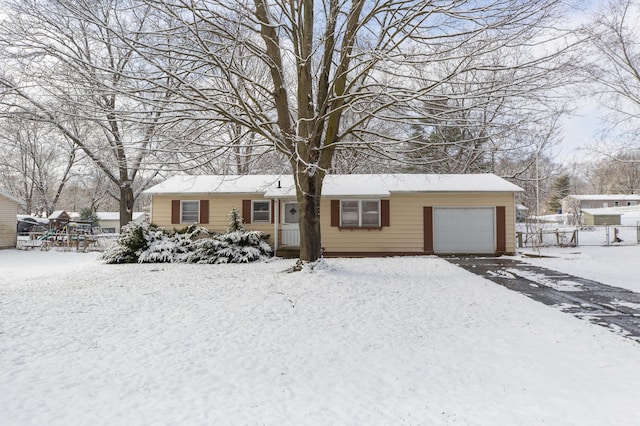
{"x": 560, "y": 189}
{"x": 88, "y": 215}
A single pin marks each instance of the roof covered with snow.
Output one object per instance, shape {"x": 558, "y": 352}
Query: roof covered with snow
{"x": 606, "y": 197}
{"x": 116, "y": 215}
{"x": 275, "y": 186}
{"x": 607, "y": 211}
{"x": 58, "y": 213}
{"x": 11, "y": 197}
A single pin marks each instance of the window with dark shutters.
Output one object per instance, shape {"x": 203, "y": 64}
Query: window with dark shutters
{"x": 189, "y": 211}
{"x": 360, "y": 214}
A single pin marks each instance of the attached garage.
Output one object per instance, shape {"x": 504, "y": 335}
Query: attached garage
{"x": 464, "y": 230}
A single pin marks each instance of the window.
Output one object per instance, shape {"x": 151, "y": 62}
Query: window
{"x": 260, "y": 211}
{"x": 360, "y": 213}
{"x": 190, "y": 211}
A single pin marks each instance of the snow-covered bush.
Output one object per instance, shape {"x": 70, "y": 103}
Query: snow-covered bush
{"x": 233, "y": 247}
{"x": 133, "y": 239}
{"x": 165, "y": 248}
{"x": 235, "y": 221}
{"x": 142, "y": 243}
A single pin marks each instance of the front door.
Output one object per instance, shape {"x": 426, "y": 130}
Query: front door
{"x": 290, "y": 225}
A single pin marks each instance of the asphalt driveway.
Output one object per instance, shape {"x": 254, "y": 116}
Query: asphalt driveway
{"x": 615, "y": 308}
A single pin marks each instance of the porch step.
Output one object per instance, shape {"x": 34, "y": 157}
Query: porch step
{"x": 288, "y": 252}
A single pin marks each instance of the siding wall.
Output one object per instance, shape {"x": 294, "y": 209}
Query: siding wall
{"x": 8, "y": 221}
{"x": 404, "y": 235}
{"x": 219, "y": 208}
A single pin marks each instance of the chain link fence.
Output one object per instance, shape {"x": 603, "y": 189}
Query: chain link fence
{"x": 533, "y": 235}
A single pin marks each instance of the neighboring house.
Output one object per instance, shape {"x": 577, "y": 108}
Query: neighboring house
{"x": 360, "y": 215}
{"x": 575, "y": 203}
{"x": 8, "y": 214}
{"x": 110, "y": 221}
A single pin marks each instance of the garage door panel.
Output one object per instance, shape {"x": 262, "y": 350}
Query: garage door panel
{"x": 464, "y": 230}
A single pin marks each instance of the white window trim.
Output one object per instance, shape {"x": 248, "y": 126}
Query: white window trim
{"x": 253, "y": 219}
{"x": 182, "y": 211}
{"x": 360, "y": 225}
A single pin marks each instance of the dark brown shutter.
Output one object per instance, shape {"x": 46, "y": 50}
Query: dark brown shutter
{"x": 204, "y": 211}
{"x": 385, "y": 220}
{"x": 335, "y": 212}
{"x": 273, "y": 210}
{"x": 501, "y": 231}
{"x": 428, "y": 229}
{"x": 246, "y": 211}
{"x": 175, "y": 211}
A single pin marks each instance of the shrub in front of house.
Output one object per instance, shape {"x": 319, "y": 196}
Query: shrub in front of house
{"x": 143, "y": 243}
{"x": 240, "y": 246}
{"x": 134, "y": 238}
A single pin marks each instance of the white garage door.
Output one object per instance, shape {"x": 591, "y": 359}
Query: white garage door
{"x": 469, "y": 230}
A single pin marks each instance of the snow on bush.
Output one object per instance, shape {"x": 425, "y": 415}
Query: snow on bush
{"x": 133, "y": 240}
{"x": 143, "y": 243}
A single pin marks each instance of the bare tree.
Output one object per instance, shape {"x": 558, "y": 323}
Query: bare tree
{"x": 63, "y": 65}
{"x": 618, "y": 173}
{"x": 36, "y": 163}
{"x": 321, "y": 62}
{"x": 612, "y": 70}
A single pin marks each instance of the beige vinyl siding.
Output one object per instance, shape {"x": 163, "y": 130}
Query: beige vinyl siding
{"x": 8, "y": 221}
{"x": 219, "y": 208}
{"x": 405, "y": 233}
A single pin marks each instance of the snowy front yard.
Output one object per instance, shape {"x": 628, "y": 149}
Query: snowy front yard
{"x": 412, "y": 341}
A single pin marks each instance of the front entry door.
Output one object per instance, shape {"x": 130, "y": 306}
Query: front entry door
{"x": 290, "y": 225}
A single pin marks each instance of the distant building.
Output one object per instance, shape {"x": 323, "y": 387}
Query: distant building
{"x": 58, "y": 219}
{"x": 8, "y": 213}
{"x": 602, "y": 216}
{"x": 110, "y": 221}
{"x": 575, "y": 203}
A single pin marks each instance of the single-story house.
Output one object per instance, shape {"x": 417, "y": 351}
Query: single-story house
{"x": 8, "y": 213}
{"x": 575, "y": 203}
{"x": 110, "y": 221}
{"x": 360, "y": 215}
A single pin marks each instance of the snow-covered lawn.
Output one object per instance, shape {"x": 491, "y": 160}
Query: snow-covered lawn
{"x": 397, "y": 341}
{"x": 614, "y": 265}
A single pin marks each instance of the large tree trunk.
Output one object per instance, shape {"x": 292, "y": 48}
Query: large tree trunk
{"x": 309, "y": 191}
{"x": 126, "y": 204}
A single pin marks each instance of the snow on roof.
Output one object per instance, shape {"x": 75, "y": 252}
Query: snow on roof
{"x": 56, "y": 214}
{"x": 606, "y": 197}
{"x": 116, "y": 215}
{"x": 11, "y": 197}
{"x": 607, "y": 211}
{"x": 274, "y": 186}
